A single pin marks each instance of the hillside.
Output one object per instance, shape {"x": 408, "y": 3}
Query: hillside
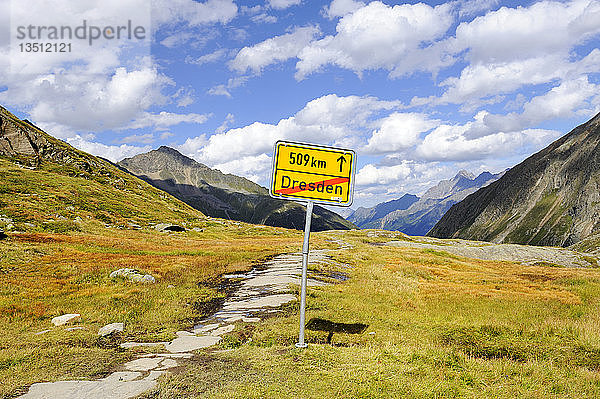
{"x": 48, "y": 185}
{"x": 551, "y": 198}
{"x": 364, "y": 216}
{"x": 223, "y": 195}
{"x": 418, "y": 215}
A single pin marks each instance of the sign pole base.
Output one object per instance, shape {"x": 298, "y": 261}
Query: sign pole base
{"x": 305, "y": 246}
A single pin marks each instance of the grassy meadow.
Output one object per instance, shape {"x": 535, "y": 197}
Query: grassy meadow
{"x": 43, "y": 275}
{"x": 439, "y": 326}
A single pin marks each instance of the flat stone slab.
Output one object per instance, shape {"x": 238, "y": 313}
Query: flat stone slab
{"x": 111, "y": 328}
{"x": 144, "y": 364}
{"x": 120, "y": 385}
{"x": 65, "y": 319}
{"x": 191, "y": 343}
{"x": 207, "y": 328}
{"x": 269, "y": 301}
{"x": 222, "y": 330}
{"x": 129, "y": 345}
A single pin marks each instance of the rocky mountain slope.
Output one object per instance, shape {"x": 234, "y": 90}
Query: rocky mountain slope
{"x": 47, "y": 184}
{"x": 416, "y": 216}
{"x": 366, "y": 216}
{"x": 551, "y": 198}
{"x": 223, "y": 195}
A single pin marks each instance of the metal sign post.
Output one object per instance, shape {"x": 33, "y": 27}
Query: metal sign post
{"x": 305, "y": 246}
{"x": 316, "y": 174}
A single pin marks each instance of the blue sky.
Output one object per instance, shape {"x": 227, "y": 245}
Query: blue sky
{"x": 419, "y": 90}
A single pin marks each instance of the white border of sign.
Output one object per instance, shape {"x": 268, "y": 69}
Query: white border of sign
{"x": 316, "y": 146}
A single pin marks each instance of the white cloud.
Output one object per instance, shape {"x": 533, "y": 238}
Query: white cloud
{"x": 449, "y": 143}
{"x": 281, "y": 4}
{"x": 111, "y": 152}
{"x": 399, "y": 131}
{"x": 263, "y": 18}
{"x": 229, "y": 119}
{"x": 329, "y": 120}
{"x": 193, "y": 12}
{"x": 273, "y": 50}
{"x": 164, "y": 120}
{"x": 147, "y": 138}
{"x": 215, "y": 56}
{"x": 370, "y": 175}
{"x": 566, "y": 100}
{"x": 224, "y": 89}
{"x": 339, "y": 8}
{"x": 255, "y": 168}
{"x": 95, "y": 102}
{"x": 377, "y": 36}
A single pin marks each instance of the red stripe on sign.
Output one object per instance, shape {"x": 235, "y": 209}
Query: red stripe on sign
{"x": 330, "y": 182}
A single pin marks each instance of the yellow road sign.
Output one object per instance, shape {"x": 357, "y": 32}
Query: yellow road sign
{"x": 313, "y": 172}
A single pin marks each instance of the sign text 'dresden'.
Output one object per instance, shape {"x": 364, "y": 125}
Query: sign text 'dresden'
{"x": 312, "y": 172}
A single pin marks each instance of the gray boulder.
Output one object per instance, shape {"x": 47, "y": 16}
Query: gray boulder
{"x": 133, "y": 275}
{"x": 111, "y": 329}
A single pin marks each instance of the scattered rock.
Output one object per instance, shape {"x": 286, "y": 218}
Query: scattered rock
{"x": 170, "y": 286}
{"x": 111, "y": 329}
{"x": 190, "y": 343}
{"x": 222, "y": 330}
{"x": 78, "y": 219}
{"x": 169, "y": 227}
{"x": 123, "y": 384}
{"x": 251, "y": 319}
{"x": 65, "y": 319}
{"x": 206, "y": 328}
{"x": 129, "y": 345}
{"x": 133, "y": 275}
{"x": 42, "y": 332}
{"x": 198, "y": 229}
{"x": 74, "y": 328}
{"x": 5, "y": 219}
{"x": 143, "y": 364}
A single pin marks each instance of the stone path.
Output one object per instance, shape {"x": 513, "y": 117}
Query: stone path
{"x": 261, "y": 290}
{"x": 524, "y": 254}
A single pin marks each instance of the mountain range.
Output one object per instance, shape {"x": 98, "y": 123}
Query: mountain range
{"x": 224, "y": 195}
{"x": 551, "y": 198}
{"x": 113, "y": 194}
{"x": 416, "y": 216}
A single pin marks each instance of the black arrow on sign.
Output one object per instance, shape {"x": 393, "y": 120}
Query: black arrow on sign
{"x": 341, "y": 160}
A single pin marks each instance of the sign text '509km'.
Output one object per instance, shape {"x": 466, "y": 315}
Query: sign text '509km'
{"x": 314, "y": 173}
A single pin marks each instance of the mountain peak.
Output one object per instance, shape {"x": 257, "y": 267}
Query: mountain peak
{"x": 465, "y": 174}
{"x": 551, "y": 198}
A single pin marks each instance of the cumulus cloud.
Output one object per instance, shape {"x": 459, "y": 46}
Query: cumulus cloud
{"x": 273, "y": 50}
{"x": 339, "y": 8}
{"x": 377, "y": 36}
{"x": 113, "y": 153}
{"x": 449, "y": 143}
{"x": 399, "y": 131}
{"x": 328, "y": 119}
{"x": 164, "y": 120}
{"x": 193, "y": 12}
{"x": 566, "y": 100}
